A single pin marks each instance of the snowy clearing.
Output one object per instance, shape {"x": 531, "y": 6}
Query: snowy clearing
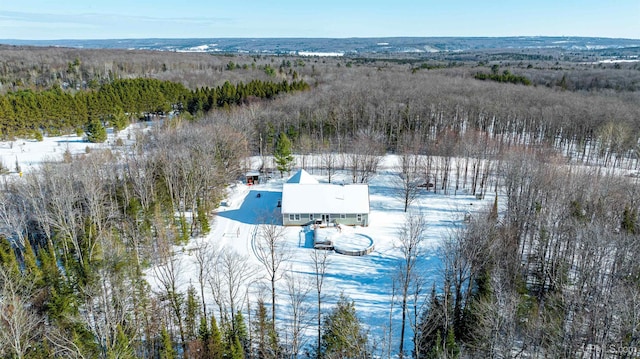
{"x": 365, "y": 279}
{"x": 29, "y": 153}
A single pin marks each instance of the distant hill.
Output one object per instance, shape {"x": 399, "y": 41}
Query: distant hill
{"x": 345, "y": 46}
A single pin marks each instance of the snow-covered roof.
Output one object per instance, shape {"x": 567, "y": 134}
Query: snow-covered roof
{"x": 325, "y": 198}
{"x": 302, "y": 177}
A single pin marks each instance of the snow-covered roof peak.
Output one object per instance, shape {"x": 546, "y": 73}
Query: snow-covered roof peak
{"x": 302, "y": 177}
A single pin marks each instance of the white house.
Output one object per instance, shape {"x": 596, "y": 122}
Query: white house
{"x": 304, "y": 201}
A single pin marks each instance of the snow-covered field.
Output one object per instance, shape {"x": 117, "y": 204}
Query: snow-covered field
{"x": 29, "y": 153}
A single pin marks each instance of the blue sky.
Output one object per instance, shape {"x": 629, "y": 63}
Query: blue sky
{"x": 92, "y": 19}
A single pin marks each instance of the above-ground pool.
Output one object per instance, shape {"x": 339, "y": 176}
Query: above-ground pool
{"x": 342, "y": 240}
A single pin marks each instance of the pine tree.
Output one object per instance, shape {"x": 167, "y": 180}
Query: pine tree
{"x": 343, "y": 335}
{"x": 121, "y": 349}
{"x": 31, "y": 265}
{"x": 202, "y": 348}
{"x": 118, "y": 120}
{"x": 451, "y": 347}
{"x": 205, "y": 227}
{"x": 203, "y": 331}
{"x": 184, "y": 230}
{"x": 215, "y": 348}
{"x": 240, "y": 331}
{"x": 96, "y": 133}
{"x": 267, "y": 339}
{"x": 167, "y": 345}
{"x": 436, "y": 350}
{"x": 235, "y": 337}
{"x": 8, "y": 257}
{"x": 428, "y": 339}
{"x": 236, "y": 351}
{"x": 191, "y": 313}
{"x": 282, "y": 153}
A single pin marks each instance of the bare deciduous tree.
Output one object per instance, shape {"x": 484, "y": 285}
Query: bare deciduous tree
{"x": 20, "y": 325}
{"x": 298, "y": 293}
{"x": 365, "y": 156}
{"x": 269, "y": 248}
{"x": 411, "y": 245}
{"x": 320, "y": 263}
{"x": 235, "y": 273}
{"x": 167, "y": 271}
{"x": 207, "y": 258}
{"x": 410, "y": 178}
{"x": 329, "y": 162}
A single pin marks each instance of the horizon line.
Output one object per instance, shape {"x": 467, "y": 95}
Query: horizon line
{"x": 326, "y": 38}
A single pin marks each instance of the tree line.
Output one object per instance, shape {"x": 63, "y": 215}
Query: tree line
{"x": 455, "y": 116}
{"x": 54, "y": 111}
{"x": 506, "y": 76}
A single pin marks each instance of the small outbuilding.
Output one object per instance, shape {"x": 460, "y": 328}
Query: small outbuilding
{"x": 305, "y": 201}
{"x": 252, "y": 177}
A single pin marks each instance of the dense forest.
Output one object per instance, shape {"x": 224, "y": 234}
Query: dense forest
{"x": 114, "y": 104}
{"x": 550, "y": 273}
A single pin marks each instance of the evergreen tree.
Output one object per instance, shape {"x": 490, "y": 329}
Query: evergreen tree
{"x": 282, "y": 153}
{"x": 118, "y": 120}
{"x": 8, "y": 257}
{"x": 236, "y": 340}
{"x": 451, "y": 347}
{"x": 121, "y": 349}
{"x": 343, "y": 335}
{"x": 201, "y": 212}
{"x": 31, "y": 265}
{"x": 7, "y": 117}
{"x": 203, "y": 330}
{"x": 436, "y": 351}
{"x": 215, "y": 348}
{"x": 428, "y": 339}
{"x": 96, "y": 133}
{"x": 167, "y": 345}
{"x": 185, "y": 233}
{"x": 237, "y": 350}
{"x": 191, "y": 313}
{"x": 240, "y": 331}
{"x": 266, "y": 337}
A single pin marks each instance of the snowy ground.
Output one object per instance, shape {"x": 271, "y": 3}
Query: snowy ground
{"x": 367, "y": 279}
{"x": 29, "y": 153}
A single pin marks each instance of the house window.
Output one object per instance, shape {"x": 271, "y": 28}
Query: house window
{"x": 343, "y": 216}
{"x": 291, "y": 217}
{"x": 311, "y": 217}
{"x": 359, "y": 218}
{"x": 297, "y": 217}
